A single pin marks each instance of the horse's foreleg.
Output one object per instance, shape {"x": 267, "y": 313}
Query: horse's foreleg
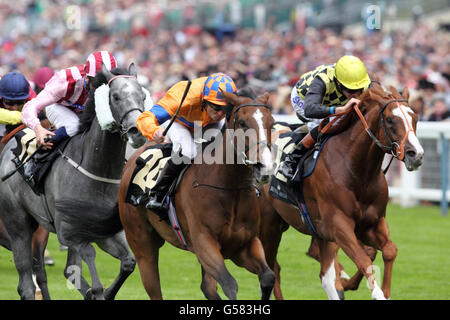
{"x": 209, "y": 286}
{"x": 389, "y": 251}
{"x": 39, "y": 243}
{"x": 209, "y": 255}
{"x": 346, "y": 239}
{"x": 87, "y": 253}
{"x": 72, "y": 272}
{"x": 5, "y": 239}
{"x": 117, "y": 247}
{"x": 253, "y": 259}
{"x": 353, "y": 282}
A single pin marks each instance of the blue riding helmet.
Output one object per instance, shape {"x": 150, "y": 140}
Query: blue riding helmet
{"x": 14, "y": 86}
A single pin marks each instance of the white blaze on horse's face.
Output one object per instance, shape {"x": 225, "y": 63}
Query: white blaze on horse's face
{"x": 403, "y": 112}
{"x": 266, "y": 156}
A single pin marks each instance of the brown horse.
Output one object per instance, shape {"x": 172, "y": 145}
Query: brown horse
{"x": 40, "y": 236}
{"x": 216, "y": 207}
{"x": 347, "y": 193}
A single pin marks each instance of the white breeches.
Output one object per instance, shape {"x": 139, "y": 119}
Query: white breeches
{"x": 183, "y": 139}
{"x": 61, "y": 116}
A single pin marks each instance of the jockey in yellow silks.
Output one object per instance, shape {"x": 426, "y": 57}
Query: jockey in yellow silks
{"x": 203, "y": 105}
{"x": 324, "y": 91}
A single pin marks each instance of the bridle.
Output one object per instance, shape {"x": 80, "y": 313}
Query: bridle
{"x": 245, "y": 160}
{"x": 398, "y": 151}
{"x": 118, "y": 127}
{"x": 258, "y": 144}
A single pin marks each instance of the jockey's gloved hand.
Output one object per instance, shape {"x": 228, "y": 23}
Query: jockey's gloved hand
{"x": 60, "y": 135}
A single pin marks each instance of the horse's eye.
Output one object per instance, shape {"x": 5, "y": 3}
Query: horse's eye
{"x": 242, "y": 124}
{"x": 116, "y": 97}
{"x": 389, "y": 120}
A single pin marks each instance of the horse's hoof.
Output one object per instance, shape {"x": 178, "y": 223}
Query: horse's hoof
{"x": 341, "y": 294}
{"x": 38, "y": 295}
{"x": 89, "y": 295}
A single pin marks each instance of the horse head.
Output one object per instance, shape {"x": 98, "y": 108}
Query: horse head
{"x": 398, "y": 122}
{"x": 119, "y": 102}
{"x": 251, "y": 122}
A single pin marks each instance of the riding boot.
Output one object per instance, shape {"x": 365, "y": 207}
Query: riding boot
{"x": 159, "y": 192}
{"x": 288, "y": 167}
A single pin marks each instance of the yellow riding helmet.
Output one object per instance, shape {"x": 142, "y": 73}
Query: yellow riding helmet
{"x": 351, "y": 73}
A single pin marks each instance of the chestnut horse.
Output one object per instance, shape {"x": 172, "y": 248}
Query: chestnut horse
{"x": 347, "y": 193}
{"x": 216, "y": 205}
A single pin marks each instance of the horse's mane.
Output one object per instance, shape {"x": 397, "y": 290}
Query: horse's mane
{"x": 246, "y": 92}
{"x": 374, "y": 92}
{"x": 88, "y": 114}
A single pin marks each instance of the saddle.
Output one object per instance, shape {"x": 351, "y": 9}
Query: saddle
{"x": 149, "y": 165}
{"x": 27, "y": 151}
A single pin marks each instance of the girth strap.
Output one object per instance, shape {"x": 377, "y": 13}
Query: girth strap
{"x": 87, "y": 173}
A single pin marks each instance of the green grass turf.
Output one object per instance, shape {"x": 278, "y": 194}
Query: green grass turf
{"x": 421, "y": 234}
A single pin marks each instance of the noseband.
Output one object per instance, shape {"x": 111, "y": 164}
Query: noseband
{"x": 118, "y": 127}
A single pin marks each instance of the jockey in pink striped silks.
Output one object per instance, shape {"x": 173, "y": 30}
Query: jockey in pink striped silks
{"x": 63, "y": 97}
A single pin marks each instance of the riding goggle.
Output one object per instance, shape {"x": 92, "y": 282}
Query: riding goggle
{"x": 351, "y": 91}
{"x": 213, "y": 106}
{"x": 14, "y": 102}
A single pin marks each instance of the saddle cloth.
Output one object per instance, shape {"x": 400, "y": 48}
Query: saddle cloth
{"x": 279, "y": 188}
{"x": 148, "y": 167}
{"x": 26, "y": 148}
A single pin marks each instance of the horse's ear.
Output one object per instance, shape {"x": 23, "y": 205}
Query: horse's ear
{"x": 108, "y": 75}
{"x": 405, "y": 93}
{"x": 265, "y": 97}
{"x": 132, "y": 70}
{"x": 230, "y": 97}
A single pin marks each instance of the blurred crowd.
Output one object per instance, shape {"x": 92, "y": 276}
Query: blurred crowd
{"x": 49, "y": 33}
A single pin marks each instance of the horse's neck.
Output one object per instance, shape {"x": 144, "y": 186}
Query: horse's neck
{"x": 366, "y": 157}
{"x": 103, "y": 152}
{"x": 231, "y": 173}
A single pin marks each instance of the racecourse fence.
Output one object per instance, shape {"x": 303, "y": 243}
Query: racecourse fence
{"x": 430, "y": 182}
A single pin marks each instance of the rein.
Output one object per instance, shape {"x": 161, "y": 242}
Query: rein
{"x": 395, "y": 149}
{"x": 6, "y": 138}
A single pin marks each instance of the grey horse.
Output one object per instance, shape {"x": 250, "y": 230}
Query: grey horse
{"x": 80, "y": 200}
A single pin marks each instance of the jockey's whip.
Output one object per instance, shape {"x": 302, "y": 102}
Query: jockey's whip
{"x": 188, "y": 85}
{"x": 8, "y": 175}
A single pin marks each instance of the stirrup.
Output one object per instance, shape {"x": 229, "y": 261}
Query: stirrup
{"x": 288, "y": 169}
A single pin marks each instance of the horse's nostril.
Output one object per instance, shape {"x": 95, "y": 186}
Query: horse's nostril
{"x": 411, "y": 154}
{"x": 133, "y": 130}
